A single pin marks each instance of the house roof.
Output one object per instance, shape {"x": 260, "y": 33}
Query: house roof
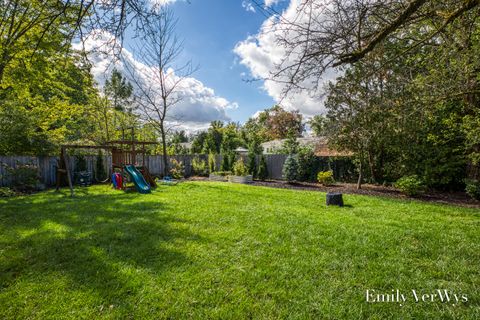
{"x": 240, "y": 149}
{"x": 186, "y": 145}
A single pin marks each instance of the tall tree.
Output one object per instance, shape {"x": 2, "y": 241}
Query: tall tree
{"x": 26, "y": 24}
{"x": 274, "y": 123}
{"x": 119, "y": 92}
{"x": 326, "y": 34}
{"x": 213, "y": 138}
{"x": 157, "y": 87}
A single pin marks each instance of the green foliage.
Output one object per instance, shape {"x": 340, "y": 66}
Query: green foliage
{"x": 212, "y": 139}
{"x": 199, "y": 167}
{"x": 410, "y": 185}
{"x": 100, "y": 172}
{"x": 422, "y": 119}
{"x": 473, "y": 189}
{"x": 46, "y": 93}
{"x": 290, "y": 168}
{"x": 239, "y": 168}
{"x": 119, "y": 91}
{"x": 6, "y": 192}
{"x": 80, "y": 163}
{"x": 211, "y": 163}
{"x": 318, "y": 124}
{"x": 471, "y": 128}
{"x": 225, "y": 164}
{"x": 24, "y": 177}
{"x": 198, "y": 143}
{"x": 252, "y": 164}
{"x": 19, "y": 131}
{"x": 177, "y": 149}
{"x": 228, "y": 159}
{"x": 178, "y": 137}
{"x": 275, "y": 123}
{"x": 307, "y": 164}
{"x": 290, "y": 145}
{"x": 177, "y": 169}
{"x": 325, "y": 178}
{"x": 254, "y": 149}
{"x": 262, "y": 172}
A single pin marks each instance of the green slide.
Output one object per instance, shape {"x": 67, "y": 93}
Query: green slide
{"x": 138, "y": 179}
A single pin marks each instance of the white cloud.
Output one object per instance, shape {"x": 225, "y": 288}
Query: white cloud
{"x": 271, "y": 2}
{"x": 260, "y": 54}
{"x": 247, "y": 5}
{"x": 199, "y": 105}
{"x": 161, "y": 2}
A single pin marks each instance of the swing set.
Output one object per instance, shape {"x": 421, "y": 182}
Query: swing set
{"x": 124, "y": 156}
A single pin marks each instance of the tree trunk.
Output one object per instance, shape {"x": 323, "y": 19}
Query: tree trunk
{"x": 2, "y": 70}
{"x": 164, "y": 151}
{"x": 360, "y": 176}
{"x": 371, "y": 164}
{"x": 105, "y": 118}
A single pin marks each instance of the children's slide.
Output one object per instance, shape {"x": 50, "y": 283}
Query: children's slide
{"x": 137, "y": 178}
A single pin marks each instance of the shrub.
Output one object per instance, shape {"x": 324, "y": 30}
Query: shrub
{"x": 307, "y": 164}
{"x": 199, "y": 167}
{"x": 325, "y": 178}
{"x": 252, "y": 164}
{"x": 24, "y": 177}
{"x": 290, "y": 168}
{"x": 290, "y": 145}
{"x": 7, "y": 192}
{"x": 227, "y": 161}
{"x": 262, "y": 169}
{"x": 239, "y": 168}
{"x": 100, "y": 173}
{"x": 410, "y": 185}
{"x": 473, "y": 189}
{"x": 211, "y": 163}
{"x": 177, "y": 170}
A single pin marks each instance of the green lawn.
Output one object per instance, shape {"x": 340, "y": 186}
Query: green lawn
{"x": 216, "y": 250}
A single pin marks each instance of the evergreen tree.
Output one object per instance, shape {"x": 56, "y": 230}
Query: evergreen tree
{"x": 262, "y": 172}
{"x": 252, "y": 164}
{"x": 290, "y": 168}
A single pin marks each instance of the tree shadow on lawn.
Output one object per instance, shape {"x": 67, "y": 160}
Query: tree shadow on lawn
{"x": 92, "y": 239}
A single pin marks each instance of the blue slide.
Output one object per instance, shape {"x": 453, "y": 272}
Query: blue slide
{"x": 138, "y": 179}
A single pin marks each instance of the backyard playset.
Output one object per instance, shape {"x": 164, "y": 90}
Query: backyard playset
{"x": 124, "y": 166}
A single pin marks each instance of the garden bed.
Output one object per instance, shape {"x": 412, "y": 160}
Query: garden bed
{"x": 457, "y": 198}
{"x": 216, "y": 177}
{"x": 240, "y": 179}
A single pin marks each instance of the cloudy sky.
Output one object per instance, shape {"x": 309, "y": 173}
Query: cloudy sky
{"x": 232, "y": 42}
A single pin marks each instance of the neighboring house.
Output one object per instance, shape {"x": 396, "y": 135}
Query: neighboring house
{"x": 319, "y": 145}
{"x": 186, "y": 145}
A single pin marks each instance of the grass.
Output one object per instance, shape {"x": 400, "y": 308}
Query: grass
{"x": 223, "y": 251}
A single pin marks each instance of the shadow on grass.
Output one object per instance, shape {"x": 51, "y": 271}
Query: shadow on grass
{"x": 95, "y": 240}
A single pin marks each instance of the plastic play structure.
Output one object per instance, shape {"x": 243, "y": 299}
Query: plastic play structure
{"x": 138, "y": 179}
{"x": 125, "y": 155}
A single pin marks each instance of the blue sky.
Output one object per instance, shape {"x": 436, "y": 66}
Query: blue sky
{"x": 231, "y": 44}
{"x": 211, "y": 29}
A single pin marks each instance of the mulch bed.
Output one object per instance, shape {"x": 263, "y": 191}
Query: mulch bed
{"x": 456, "y": 198}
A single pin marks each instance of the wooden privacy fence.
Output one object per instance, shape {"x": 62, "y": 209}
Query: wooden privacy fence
{"x": 47, "y": 165}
